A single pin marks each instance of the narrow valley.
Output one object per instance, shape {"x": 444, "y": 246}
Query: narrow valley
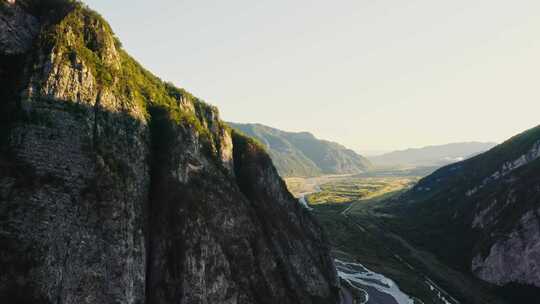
{"x": 269, "y": 152}
{"x": 375, "y": 264}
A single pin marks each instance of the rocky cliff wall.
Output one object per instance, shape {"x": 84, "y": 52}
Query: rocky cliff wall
{"x": 116, "y": 187}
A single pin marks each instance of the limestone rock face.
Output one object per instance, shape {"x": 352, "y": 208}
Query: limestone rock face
{"x": 516, "y": 258}
{"x": 118, "y": 188}
{"x": 75, "y": 183}
{"x": 510, "y": 224}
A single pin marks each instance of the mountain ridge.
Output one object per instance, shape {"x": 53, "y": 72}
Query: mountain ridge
{"x": 302, "y": 154}
{"x": 481, "y": 215}
{"x": 432, "y": 155}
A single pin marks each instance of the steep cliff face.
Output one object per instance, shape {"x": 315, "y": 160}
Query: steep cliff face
{"x": 482, "y": 215}
{"x": 508, "y": 219}
{"x": 116, "y": 187}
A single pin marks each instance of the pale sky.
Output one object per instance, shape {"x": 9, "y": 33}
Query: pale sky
{"x": 370, "y": 74}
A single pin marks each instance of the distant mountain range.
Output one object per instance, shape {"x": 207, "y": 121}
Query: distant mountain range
{"x": 482, "y": 216}
{"x": 302, "y": 154}
{"x": 431, "y": 155}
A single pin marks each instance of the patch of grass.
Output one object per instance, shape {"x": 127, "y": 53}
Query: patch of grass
{"x": 244, "y": 140}
{"x": 358, "y": 188}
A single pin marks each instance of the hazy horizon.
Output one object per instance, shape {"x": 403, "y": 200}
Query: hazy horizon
{"x": 377, "y": 152}
{"x": 383, "y": 75}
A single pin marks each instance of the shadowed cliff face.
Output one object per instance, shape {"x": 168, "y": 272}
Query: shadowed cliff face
{"x": 482, "y": 216}
{"x": 118, "y": 188}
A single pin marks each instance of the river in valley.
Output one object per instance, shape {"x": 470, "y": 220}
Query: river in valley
{"x": 360, "y": 285}
{"x": 367, "y": 287}
{"x": 302, "y": 197}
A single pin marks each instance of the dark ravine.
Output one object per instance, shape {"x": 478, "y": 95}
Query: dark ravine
{"x": 116, "y": 187}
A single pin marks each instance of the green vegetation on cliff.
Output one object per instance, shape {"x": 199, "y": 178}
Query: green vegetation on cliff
{"x": 83, "y": 38}
{"x": 118, "y": 187}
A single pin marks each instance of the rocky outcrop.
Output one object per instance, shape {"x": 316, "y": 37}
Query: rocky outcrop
{"x": 118, "y": 188}
{"x": 506, "y": 168}
{"x": 514, "y": 258}
{"x": 510, "y": 223}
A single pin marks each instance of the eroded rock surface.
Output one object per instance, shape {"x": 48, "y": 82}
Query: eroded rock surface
{"x": 515, "y": 258}
{"x": 17, "y": 29}
{"x": 118, "y": 188}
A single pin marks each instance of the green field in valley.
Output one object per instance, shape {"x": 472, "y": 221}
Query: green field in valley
{"x": 348, "y": 207}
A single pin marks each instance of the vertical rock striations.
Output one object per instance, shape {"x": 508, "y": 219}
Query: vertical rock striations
{"x": 116, "y": 187}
